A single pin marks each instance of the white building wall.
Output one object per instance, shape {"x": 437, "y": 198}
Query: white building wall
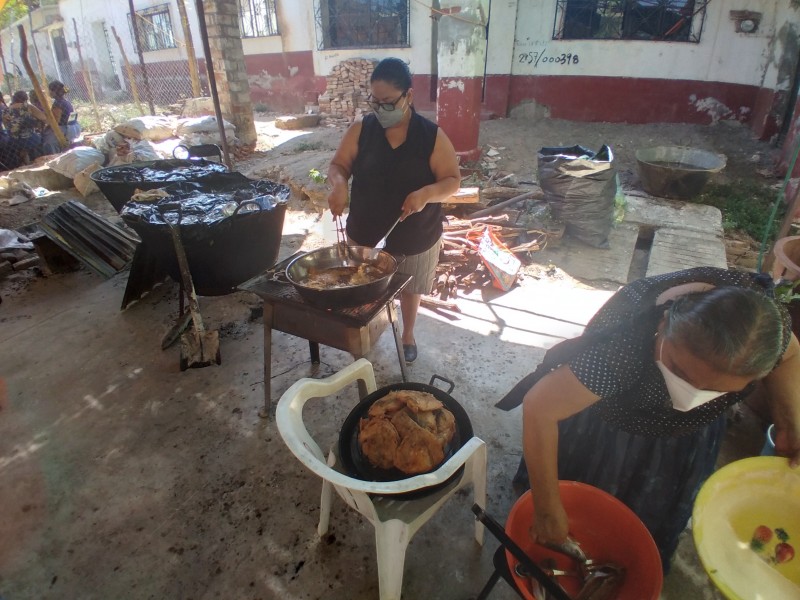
{"x": 721, "y": 55}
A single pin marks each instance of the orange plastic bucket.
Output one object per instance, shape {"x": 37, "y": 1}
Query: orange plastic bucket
{"x": 606, "y": 529}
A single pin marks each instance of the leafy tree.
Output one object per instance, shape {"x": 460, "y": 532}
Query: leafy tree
{"x": 13, "y": 10}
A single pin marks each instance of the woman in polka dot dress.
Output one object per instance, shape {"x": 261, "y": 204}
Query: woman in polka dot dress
{"x": 636, "y": 405}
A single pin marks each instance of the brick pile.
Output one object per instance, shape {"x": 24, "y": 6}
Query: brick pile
{"x": 347, "y": 89}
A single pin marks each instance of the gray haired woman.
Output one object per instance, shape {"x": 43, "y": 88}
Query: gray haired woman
{"x": 635, "y": 406}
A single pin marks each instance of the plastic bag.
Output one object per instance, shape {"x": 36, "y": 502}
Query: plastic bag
{"x": 580, "y": 185}
{"x": 73, "y": 161}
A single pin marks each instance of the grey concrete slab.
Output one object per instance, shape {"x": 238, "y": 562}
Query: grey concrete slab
{"x": 676, "y": 249}
{"x": 649, "y": 211}
{"x": 586, "y": 263}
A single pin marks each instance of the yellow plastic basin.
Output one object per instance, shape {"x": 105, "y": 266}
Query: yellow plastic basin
{"x": 746, "y": 495}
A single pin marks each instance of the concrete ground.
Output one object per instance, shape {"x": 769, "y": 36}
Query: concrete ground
{"x": 123, "y": 477}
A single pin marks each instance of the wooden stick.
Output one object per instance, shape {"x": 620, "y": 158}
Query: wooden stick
{"x": 429, "y": 302}
{"x": 36, "y": 48}
{"x": 212, "y": 81}
{"x": 5, "y": 69}
{"x": 501, "y": 205}
{"x": 48, "y": 113}
{"x": 194, "y": 73}
{"x": 129, "y": 70}
{"x": 88, "y": 77}
{"x": 138, "y": 47}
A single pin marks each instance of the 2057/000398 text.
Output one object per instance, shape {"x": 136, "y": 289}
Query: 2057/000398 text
{"x": 535, "y": 58}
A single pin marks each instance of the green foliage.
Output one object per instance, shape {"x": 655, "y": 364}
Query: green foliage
{"x": 12, "y": 11}
{"x": 745, "y": 207}
{"x": 307, "y": 147}
{"x": 785, "y": 292}
{"x": 316, "y": 176}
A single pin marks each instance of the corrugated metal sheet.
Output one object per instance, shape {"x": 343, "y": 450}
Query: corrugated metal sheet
{"x": 99, "y": 244}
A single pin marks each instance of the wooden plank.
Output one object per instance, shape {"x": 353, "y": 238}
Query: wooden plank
{"x": 469, "y": 195}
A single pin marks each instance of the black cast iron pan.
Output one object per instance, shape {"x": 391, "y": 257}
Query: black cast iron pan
{"x": 356, "y": 464}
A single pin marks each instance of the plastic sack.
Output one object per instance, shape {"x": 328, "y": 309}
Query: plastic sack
{"x": 151, "y": 128}
{"x": 83, "y": 180}
{"x": 73, "y": 161}
{"x": 579, "y": 185}
{"x": 203, "y": 125}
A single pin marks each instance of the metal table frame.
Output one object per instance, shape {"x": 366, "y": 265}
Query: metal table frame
{"x": 354, "y": 330}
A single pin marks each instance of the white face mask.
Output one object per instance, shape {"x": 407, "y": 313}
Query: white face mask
{"x": 683, "y": 394}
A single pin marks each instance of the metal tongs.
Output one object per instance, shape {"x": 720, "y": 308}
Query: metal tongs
{"x": 341, "y": 239}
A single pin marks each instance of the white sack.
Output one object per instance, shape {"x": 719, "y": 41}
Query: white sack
{"x": 73, "y": 161}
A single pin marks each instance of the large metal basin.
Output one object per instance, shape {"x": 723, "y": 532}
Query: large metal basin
{"x": 677, "y": 172}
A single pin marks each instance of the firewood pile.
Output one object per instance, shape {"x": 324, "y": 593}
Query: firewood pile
{"x": 520, "y": 224}
{"x": 347, "y": 89}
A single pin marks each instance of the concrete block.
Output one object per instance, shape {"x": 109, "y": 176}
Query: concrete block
{"x": 584, "y": 262}
{"x": 198, "y": 107}
{"x": 41, "y": 177}
{"x": 650, "y": 211}
{"x": 678, "y": 249}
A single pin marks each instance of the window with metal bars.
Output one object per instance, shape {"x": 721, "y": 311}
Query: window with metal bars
{"x": 258, "y": 18}
{"x": 154, "y": 26}
{"x": 361, "y": 23}
{"x": 657, "y": 20}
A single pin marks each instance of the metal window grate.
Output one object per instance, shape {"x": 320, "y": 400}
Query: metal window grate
{"x": 155, "y": 28}
{"x": 656, "y": 20}
{"x": 258, "y": 18}
{"x": 362, "y": 23}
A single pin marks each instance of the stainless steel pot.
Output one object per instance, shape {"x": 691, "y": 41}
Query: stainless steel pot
{"x": 330, "y": 257}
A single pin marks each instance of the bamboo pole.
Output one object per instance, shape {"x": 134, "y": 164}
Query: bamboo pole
{"x": 194, "y": 73}
{"x": 48, "y": 113}
{"x": 129, "y": 71}
{"x": 5, "y": 69}
{"x": 36, "y": 47}
{"x": 212, "y": 81}
{"x": 87, "y": 76}
{"x": 138, "y": 47}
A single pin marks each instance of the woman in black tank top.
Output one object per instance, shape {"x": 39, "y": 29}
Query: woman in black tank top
{"x": 402, "y": 165}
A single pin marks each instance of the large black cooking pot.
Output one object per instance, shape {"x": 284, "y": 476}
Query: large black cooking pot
{"x": 231, "y": 231}
{"x": 119, "y": 183}
{"x": 340, "y": 256}
{"x": 356, "y": 464}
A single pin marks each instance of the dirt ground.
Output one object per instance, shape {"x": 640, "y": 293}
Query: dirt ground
{"x": 208, "y": 553}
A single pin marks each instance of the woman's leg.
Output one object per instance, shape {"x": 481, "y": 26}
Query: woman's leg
{"x": 409, "y": 305}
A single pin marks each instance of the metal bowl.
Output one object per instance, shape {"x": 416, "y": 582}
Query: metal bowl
{"x": 330, "y": 257}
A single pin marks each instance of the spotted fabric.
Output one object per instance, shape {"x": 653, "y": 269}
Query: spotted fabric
{"x": 621, "y": 368}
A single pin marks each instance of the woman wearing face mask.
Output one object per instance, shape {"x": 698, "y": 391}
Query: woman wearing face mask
{"x": 402, "y": 165}
{"x": 635, "y": 406}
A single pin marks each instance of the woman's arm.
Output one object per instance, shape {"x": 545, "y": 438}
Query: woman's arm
{"x": 39, "y": 114}
{"x": 56, "y": 113}
{"x": 341, "y": 168}
{"x": 444, "y": 164}
{"x": 555, "y": 397}
{"x": 783, "y": 386}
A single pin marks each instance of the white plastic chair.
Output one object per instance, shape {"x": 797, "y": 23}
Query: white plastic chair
{"x": 395, "y": 521}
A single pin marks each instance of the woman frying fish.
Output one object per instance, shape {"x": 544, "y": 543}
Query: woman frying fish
{"x": 635, "y": 406}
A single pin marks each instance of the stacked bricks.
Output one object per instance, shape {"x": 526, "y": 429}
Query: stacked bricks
{"x": 347, "y": 89}
{"x": 227, "y": 57}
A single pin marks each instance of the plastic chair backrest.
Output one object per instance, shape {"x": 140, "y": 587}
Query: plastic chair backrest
{"x": 289, "y": 418}
{"x": 203, "y": 151}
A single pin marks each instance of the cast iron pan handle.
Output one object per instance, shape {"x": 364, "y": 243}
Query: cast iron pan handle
{"x": 434, "y": 377}
{"x": 245, "y": 203}
{"x": 535, "y": 572}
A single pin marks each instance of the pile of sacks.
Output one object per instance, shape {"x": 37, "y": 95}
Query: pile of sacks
{"x": 136, "y": 140}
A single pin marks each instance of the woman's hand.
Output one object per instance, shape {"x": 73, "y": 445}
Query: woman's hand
{"x": 550, "y": 525}
{"x": 337, "y": 199}
{"x": 413, "y": 203}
